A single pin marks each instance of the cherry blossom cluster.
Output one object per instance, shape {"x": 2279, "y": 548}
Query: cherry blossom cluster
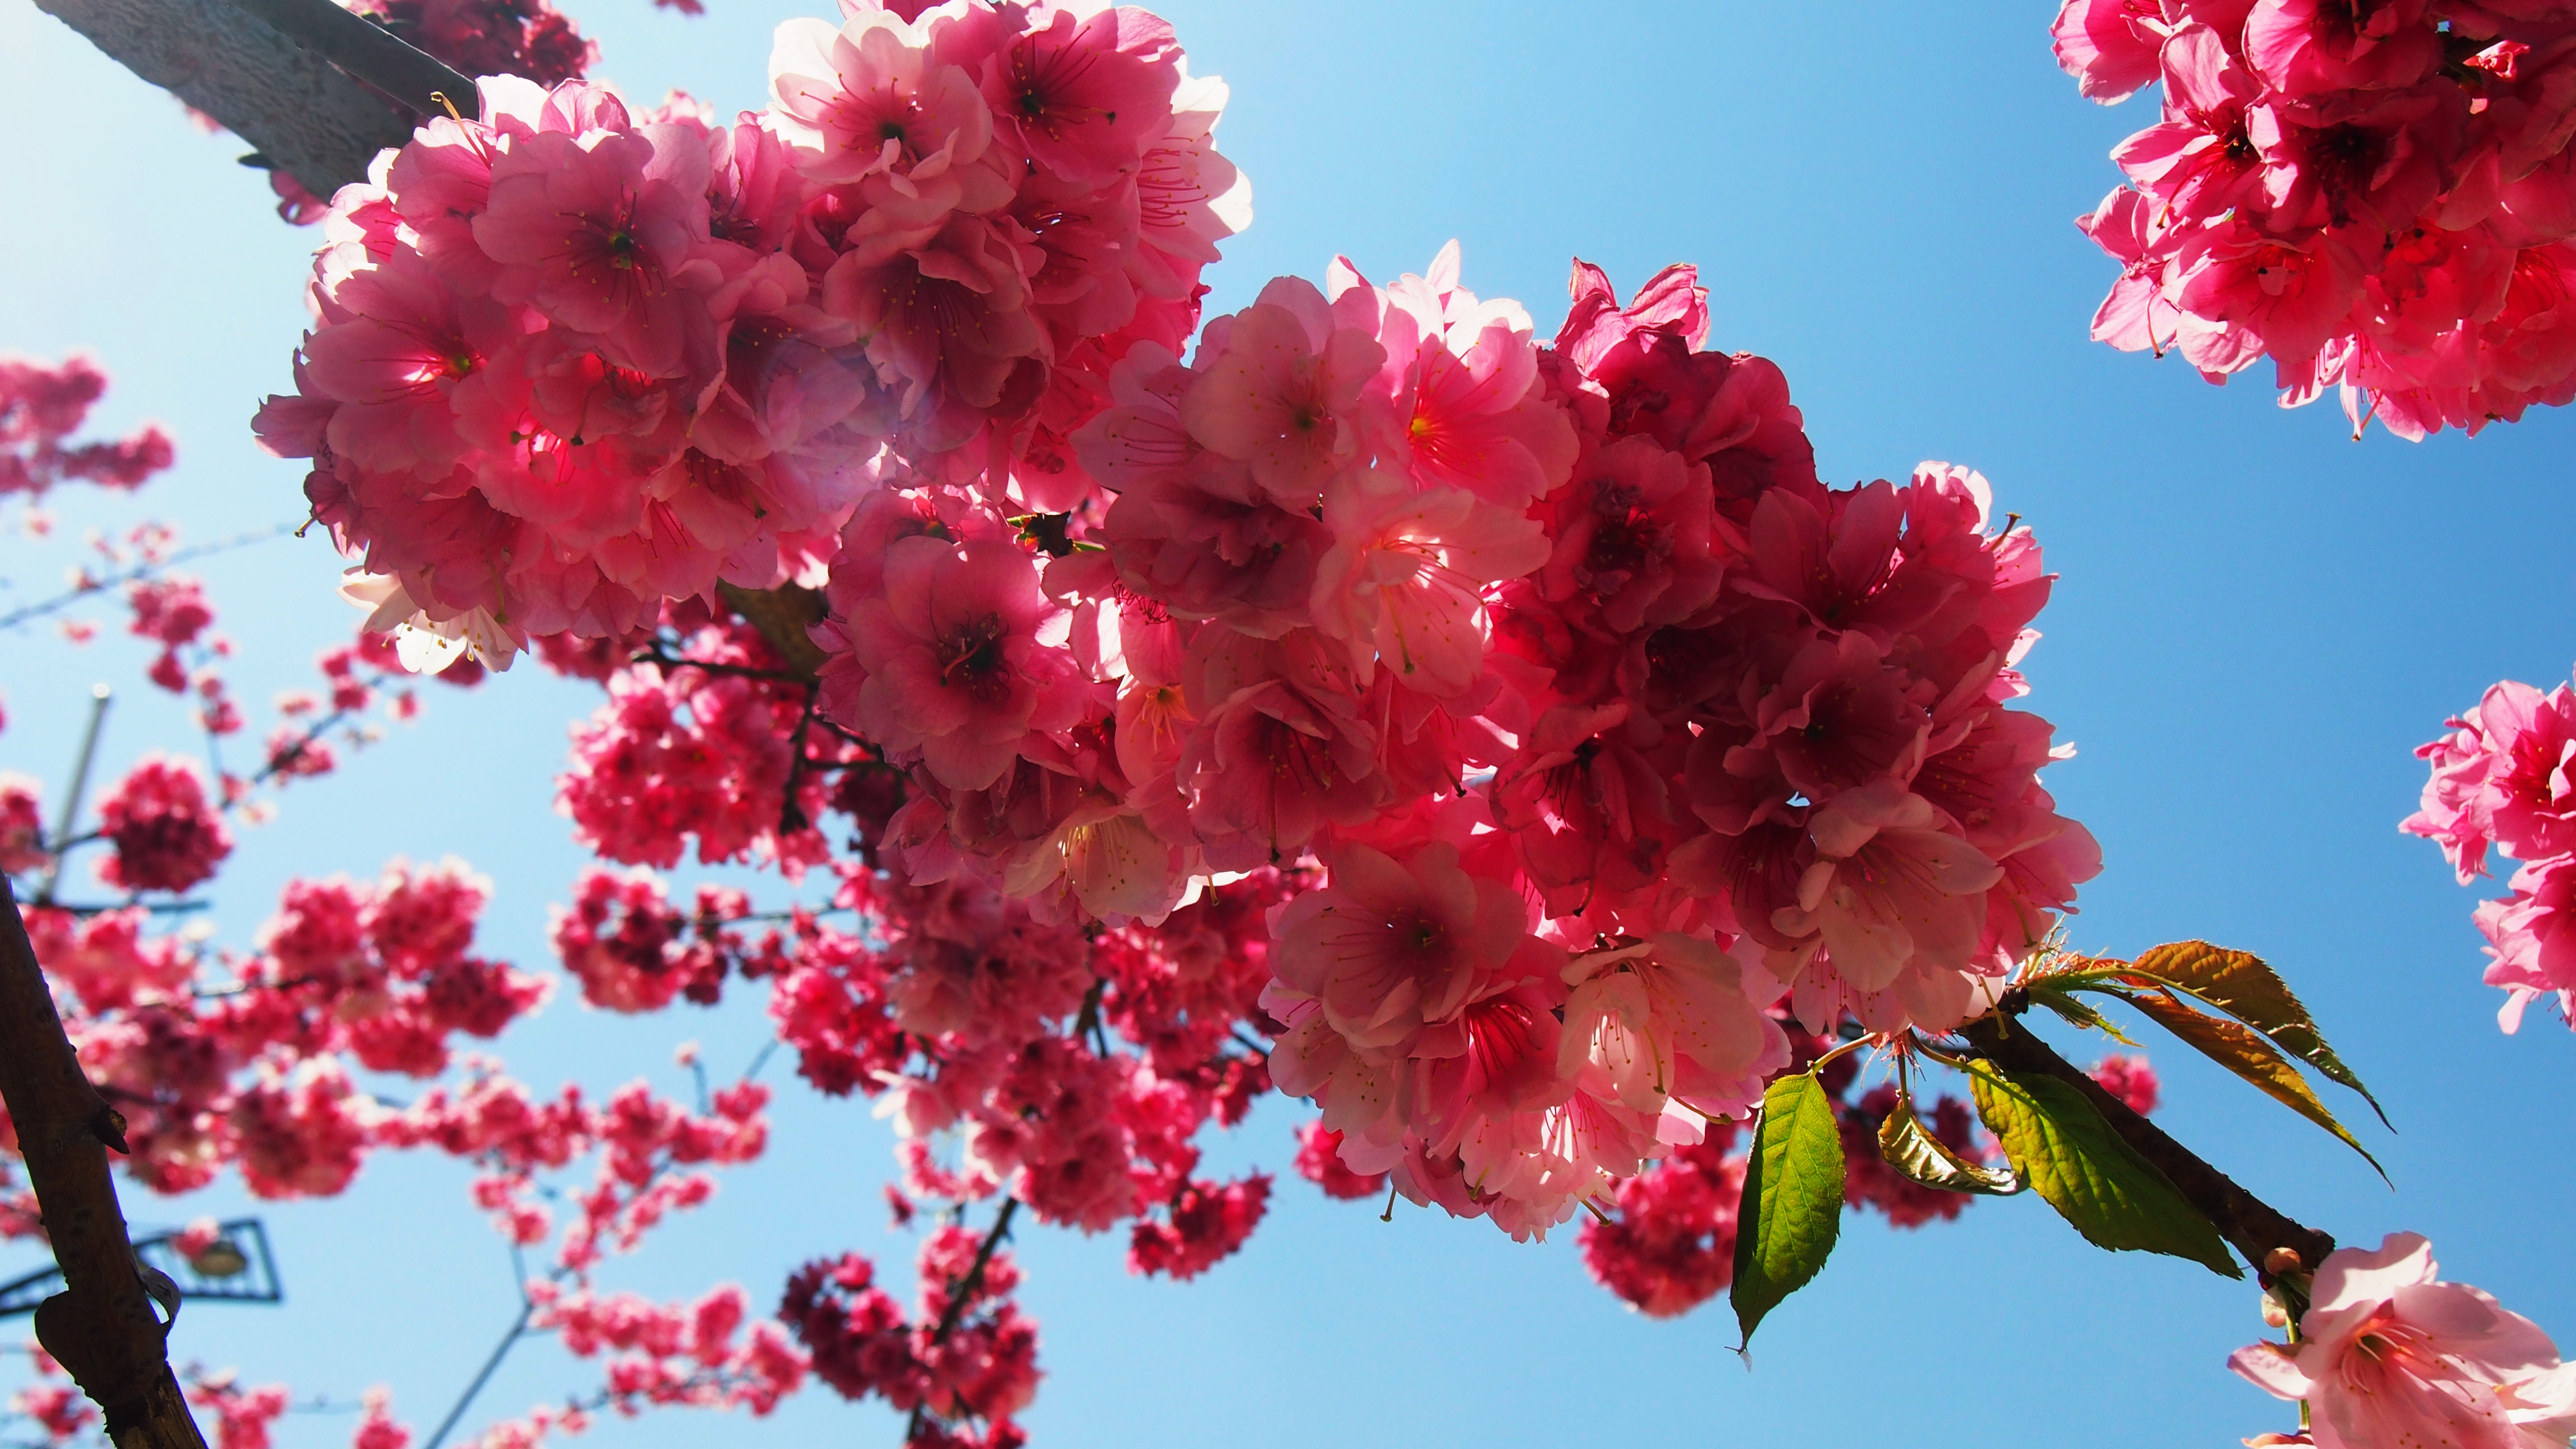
{"x": 2380, "y": 197}
{"x": 965, "y": 1353}
{"x": 41, "y": 407}
{"x": 705, "y": 751}
{"x": 573, "y": 358}
{"x": 1604, "y": 719}
{"x": 1022, "y": 1060}
{"x": 2500, "y": 780}
{"x": 2388, "y": 1356}
{"x": 253, "y": 1071}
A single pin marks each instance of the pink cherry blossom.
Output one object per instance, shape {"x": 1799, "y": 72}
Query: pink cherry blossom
{"x": 167, "y": 836}
{"x": 962, "y": 658}
{"x": 2388, "y": 1355}
{"x": 1284, "y": 393}
{"x": 1394, "y": 948}
{"x": 1403, "y": 581}
{"x": 1888, "y": 892}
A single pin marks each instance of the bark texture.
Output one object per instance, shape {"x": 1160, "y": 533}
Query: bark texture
{"x": 265, "y": 69}
{"x": 102, "y": 1327}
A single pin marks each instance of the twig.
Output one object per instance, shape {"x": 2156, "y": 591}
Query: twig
{"x": 661, "y": 655}
{"x": 140, "y": 571}
{"x": 2250, "y": 1225}
{"x": 500, "y": 1351}
{"x": 158, "y": 908}
{"x": 964, "y": 1289}
{"x": 791, "y": 816}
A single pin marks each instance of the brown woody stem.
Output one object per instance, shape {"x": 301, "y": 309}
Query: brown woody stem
{"x": 102, "y": 1327}
{"x": 303, "y": 80}
{"x": 2250, "y": 1225}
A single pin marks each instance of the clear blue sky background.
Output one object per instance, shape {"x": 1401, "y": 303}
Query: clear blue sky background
{"x": 2258, "y": 619}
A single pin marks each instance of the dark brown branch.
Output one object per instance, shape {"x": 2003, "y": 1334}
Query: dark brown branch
{"x": 369, "y": 52}
{"x": 963, "y": 1291}
{"x": 2250, "y": 1225}
{"x": 782, "y": 615}
{"x": 265, "y": 70}
{"x": 102, "y": 1327}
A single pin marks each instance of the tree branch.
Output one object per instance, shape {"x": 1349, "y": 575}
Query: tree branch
{"x": 266, "y": 70}
{"x": 782, "y": 615}
{"x": 368, "y": 52}
{"x": 2250, "y": 1225}
{"x": 102, "y": 1328}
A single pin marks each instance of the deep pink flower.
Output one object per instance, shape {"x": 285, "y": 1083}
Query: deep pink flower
{"x": 946, "y": 318}
{"x": 2136, "y": 316}
{"x": 599, "y": 236}
{"x": 1405, "y": 579}
{"x": 1085, "y": 93}
{"x": 1281, "y": 747}
{"x": 2530, "y": 790}
{"x": 1631, "y": 535}
{"x": 2304, "y": 47}
{"x": 167, "y": 836}
{"x": 869, "y": 100}
{"x": 2531, "y": 936}
{"x": 2244, "y": 295}
{"x": 2201, "y": 159}
{"x": 2109, "y": 46}
{"x": 1394, "y": 948}
{"x": 1464, "y": 396}
{"x": 963, "y": 658}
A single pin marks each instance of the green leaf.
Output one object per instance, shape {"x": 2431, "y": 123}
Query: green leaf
{"x": 2097, "y": 1182}
{"x": 2245, "y": 1052}
{"x": 1793, "y": 1199}
{"x": 2075, "y": 1013}
{"x": 2239, "y": 984}
{"x": 1911, "y": 1149}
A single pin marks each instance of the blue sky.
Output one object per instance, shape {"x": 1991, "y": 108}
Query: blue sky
{"x": 2258, "y": 619}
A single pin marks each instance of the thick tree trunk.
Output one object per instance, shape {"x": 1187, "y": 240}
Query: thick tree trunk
{"x": 103, "y": 1328}
{"x": 318, "y": 90}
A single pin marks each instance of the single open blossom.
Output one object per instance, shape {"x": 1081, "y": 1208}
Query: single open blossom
{"x": 961, "y": 661}
{"x": 1285, "y": 394}
{"x": 1395, "y": 948}
{"x": 1462, "y": 386}
{"x": 1403, "y": 582}
{"x": 2391, "y": 1357}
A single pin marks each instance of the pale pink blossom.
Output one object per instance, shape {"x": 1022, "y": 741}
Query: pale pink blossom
{"x": 1404, "y": 581}
{"x": 2389, "y": 1357}
{"x": 1284, "y": 394}
{"x": 1890, "y": 891}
